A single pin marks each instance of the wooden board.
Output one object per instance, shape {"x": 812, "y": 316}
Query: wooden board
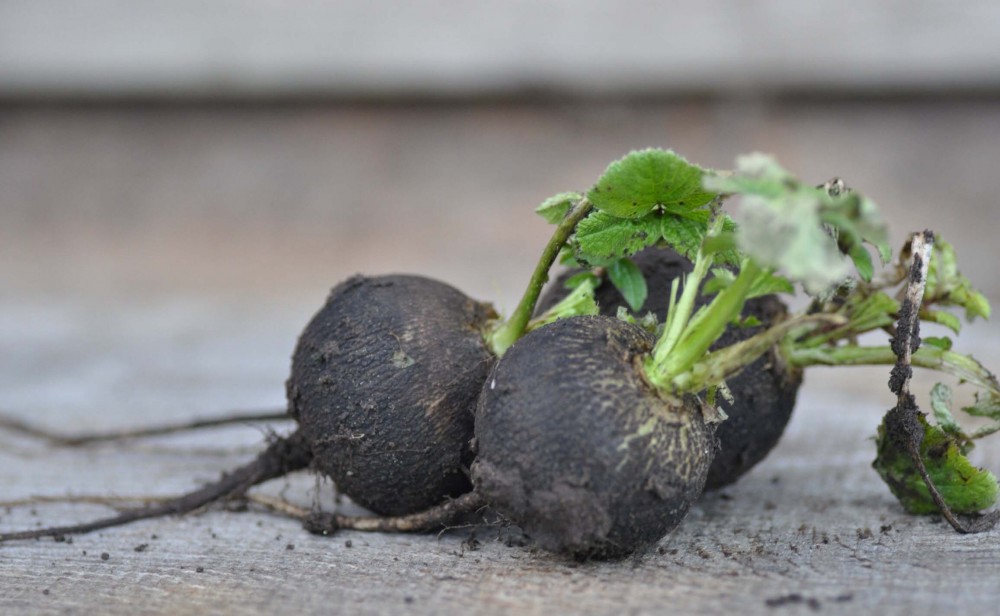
{"x": 156, "y": 266}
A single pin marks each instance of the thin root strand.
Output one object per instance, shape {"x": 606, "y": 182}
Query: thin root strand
{"x": 282, "y": 456}
{"x": 16, "y": 425}
{"x": 435, "y": 518}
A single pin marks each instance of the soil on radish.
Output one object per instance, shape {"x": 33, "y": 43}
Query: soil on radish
{"x": 384, "y": 384}
{"x": 576, "y": 448}
{"x": 764, "y": 391}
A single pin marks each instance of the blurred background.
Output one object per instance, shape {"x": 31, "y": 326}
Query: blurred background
{"x": 182, "y": 182}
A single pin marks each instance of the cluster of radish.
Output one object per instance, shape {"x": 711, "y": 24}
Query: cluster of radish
{"x": 593, "y": 418}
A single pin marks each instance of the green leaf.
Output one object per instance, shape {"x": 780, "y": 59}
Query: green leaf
{"x": 577, "y": 279}
{"x": 965, "y": 488}
{"x": 766, "y": 283}
{"x": 721, "y": 278}
{"x": 875, "y": 311}
{"x": 856, "y": 219}
{"x": 567, "y": 257}
{"x": 985, "y": 406}
{"x": 628, "y": 279}
{"x": 862, "y": 262}
{"x": 579, "y": 302}
{"x": 684, "y": 234}
{"x": 554, "y": 209}
{"x": 941, "y": 405}
{"x": 942, "y": 318}
{"x": 943, "y": 342}
{"x": 946, "y": 286}
{"x": 645, "y": 180}
{"x": 601, "y": 238}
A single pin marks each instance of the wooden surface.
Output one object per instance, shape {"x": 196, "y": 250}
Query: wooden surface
{"x": 157, "y": 265}
{"x": 222, "y": 48}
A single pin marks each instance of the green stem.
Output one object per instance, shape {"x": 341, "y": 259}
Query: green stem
{"x": 702, "y": 332}
{"x": 680, "y": 311}
{"x": 501, "y": 338}
{"x": 949, "y": 362}
{"x": 716, "y": 367}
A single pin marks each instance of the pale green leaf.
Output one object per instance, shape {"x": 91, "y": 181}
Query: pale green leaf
{"x": 784, "y": 233}
{"x": 946, "y": 286}
{"x": 554, "y": 209}
{"x": 800, "y": 230}
{"x": 579, "y": 302}
{"x": 941, "y": 405}
{"x": 985, "y": 406}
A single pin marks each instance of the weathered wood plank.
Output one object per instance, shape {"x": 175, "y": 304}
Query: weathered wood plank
{"x": 158, "y": 266}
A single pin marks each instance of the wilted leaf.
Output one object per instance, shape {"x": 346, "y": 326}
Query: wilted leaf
{"x": 941, "y": 405}
{"x": 965, "y": 488}
{"x": 800, "y": 230}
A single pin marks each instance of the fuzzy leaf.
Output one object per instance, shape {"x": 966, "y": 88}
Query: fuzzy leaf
{"x": 554, "y": 209}
{"x": 628, "y": 279}
{"x": 856, "y": 220}
{"x": 941, "y": 405}
{"x": 798, "y": 229}
{"x": 644, "y": 180}
{"x": 685, "y": 233}
{"x": 965, "y": 488}
{"x": 601, "y": 238}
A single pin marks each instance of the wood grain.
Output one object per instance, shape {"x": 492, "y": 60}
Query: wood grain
{"x": 157, "y": 266}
